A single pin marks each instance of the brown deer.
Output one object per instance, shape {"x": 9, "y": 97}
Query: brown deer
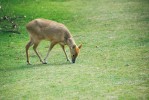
{"x": 56, "y": 33}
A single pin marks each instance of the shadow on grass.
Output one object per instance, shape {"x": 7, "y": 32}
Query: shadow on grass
{"x": 55, "y": 64}
{"x": 25, "y": 66}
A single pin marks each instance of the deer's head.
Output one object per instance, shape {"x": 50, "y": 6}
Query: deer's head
{"x": 74, "y": 50}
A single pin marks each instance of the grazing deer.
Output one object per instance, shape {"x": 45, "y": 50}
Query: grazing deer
{"x": 56, "y": 33}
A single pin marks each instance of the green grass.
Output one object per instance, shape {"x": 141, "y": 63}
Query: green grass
{"x": 114, "y": 59}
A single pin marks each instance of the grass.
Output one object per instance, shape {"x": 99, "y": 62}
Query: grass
{"x": 114, "y": 59}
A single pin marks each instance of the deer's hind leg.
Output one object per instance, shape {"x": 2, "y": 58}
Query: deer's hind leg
{"x": 35, "y": 49}
{"x": 50, "y": 48}
{"x": 28, "y": 45}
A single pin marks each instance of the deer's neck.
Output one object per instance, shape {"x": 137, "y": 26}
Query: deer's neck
{"x": 71, "y": 42}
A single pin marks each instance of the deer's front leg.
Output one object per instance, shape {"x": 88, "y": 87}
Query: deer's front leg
{"x": 63, "y": 47}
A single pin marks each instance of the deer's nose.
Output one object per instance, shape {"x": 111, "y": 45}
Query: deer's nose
{"x": 73, "y": 60}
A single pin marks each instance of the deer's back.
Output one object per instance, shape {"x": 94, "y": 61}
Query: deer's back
{"x": 47, "y": 29}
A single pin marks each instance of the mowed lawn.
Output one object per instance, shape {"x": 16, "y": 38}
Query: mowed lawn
{"x": 113, "y": 63}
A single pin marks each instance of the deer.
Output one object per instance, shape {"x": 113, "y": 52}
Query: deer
{"x": 57, "y": 33}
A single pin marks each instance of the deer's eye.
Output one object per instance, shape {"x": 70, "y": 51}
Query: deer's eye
{"x": 73, "y": 55}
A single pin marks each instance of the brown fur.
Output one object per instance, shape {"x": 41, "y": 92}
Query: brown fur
{"x": 56, "y": 33}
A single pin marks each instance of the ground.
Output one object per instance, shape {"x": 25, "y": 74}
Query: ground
{"x": 113, "y": 61}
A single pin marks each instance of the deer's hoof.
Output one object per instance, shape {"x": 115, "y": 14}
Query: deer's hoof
{"x": 68, "y": 60}
{"x": 28, "y": 63}
{"x": 44, "y": 63}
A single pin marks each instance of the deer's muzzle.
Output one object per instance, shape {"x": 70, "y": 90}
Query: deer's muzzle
{"x": 73, "y": 60}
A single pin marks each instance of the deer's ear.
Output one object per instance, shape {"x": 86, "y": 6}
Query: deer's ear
{"x": 80, "y": 46}
{"x": 74, "y": 46}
